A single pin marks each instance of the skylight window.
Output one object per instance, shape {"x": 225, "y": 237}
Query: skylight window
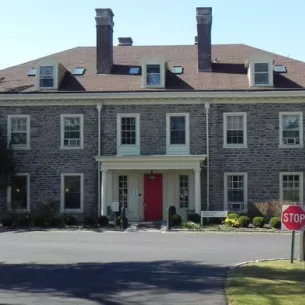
{"x": 177, "y": 70}
{"x": 32, "y": 72}
{"x": 280, "y": 69}
{"x": 78, "y": 71}
{"x": 134, "y": 70}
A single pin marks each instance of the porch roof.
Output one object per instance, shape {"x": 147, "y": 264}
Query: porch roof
{"x": 152, "y": 162}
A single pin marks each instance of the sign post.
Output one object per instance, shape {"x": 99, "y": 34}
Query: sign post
{"x": 293, "y": 219}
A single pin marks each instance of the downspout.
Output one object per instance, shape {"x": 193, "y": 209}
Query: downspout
{"x": 207, "y": 108}
{"x": 99, "y": 108}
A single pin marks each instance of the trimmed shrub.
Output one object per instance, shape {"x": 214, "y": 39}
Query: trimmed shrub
{"x": 23, "y": 221}
{"x": 55, "y": 222}
{"x": 232, "y": 222}
{"x": 258, "y": 222}
{"x": 70, "y": 220}
{"x": 103, "y": 221}
{"x": 38, "y": 221}
{"x": 190, "y": 225}
{"x": 233, "y": 216}
{"x": 244, "y": 221}
{"x": 90, "y": 221}
{"x": 8, "y": 221}
{"x": 275, "y": 222}
{"x": 176, "y": 220}
{"x": 194, "y": 217}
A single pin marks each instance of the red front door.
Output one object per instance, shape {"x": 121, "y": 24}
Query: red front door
{"x": 153, "y": 195}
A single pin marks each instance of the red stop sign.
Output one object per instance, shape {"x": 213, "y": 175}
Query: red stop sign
{"x": 293, "y": 217}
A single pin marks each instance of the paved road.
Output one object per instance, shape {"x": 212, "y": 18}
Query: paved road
{"x": 136, "y": 268}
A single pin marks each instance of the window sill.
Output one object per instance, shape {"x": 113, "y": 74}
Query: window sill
{"x": 21, "y": 147}
{"x": 290, "y": 146}
{"x": 234, "y": 146}
{"x": 72, "y": 211}
{"x": 154, "y": 86}
{"x": 71, "y": 148}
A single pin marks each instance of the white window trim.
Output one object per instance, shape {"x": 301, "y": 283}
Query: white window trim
{"x": 260, "y": 59}
{"x": 62, "y": 130}
{"x": 9, "y": 195}
{"x": 153, "y": 61}
{"x": 62, "y": 199}
{"x": 282, "y": 145}
{"x": 254, "y": 72}
{"x": 245, "y": 130}
{"x": 300, "y": 174}
{"x": 55, "y": 74}
{"x": 123, "y": 147}
{"x": 9, "y": 131}
{"x": 185, "y": 146}
{"x": 226, "y": 205}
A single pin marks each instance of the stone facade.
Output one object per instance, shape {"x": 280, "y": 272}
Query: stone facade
{"x": 262, "y": 160}
{"x": 45, "y": 161}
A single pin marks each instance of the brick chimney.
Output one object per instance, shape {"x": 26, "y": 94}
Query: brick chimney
{"x": 125, "y": 41}
{"x": 104, "y": 40}
{"x": 204, "y": 26}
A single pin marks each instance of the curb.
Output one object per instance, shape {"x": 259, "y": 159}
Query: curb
{"x": 243, "y": 264}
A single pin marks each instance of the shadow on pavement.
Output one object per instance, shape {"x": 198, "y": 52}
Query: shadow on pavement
{"x": 116, "y": 283}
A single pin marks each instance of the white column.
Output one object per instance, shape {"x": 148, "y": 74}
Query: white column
{"x": 197, "y": 191}
{"x": 103, "y": 193}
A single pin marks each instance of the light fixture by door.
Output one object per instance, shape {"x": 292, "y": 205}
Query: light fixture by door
{"x": 152, "y": 176}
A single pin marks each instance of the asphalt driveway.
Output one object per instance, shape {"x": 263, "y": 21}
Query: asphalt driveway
{"x": 126, "y": 268}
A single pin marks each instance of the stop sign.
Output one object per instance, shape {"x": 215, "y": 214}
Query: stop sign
{"x": 293, "y": 217}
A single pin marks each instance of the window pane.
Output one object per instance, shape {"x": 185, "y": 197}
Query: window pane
{"x": 291, "y": 188}
{"x": 128, "y": 131}
{"x": 123, "y": 191}
{"x": 72, "y": 192}
{"x": 291, "y": 122}
{"x": 261, "y": 78}
{"x": 72, "y": 132}
{"x": 184, "y": 191}
{"x": 177, "y": 130}
{"x": 46, "y": 82}
{"x": 261, "y": 67}
{"x": 235, "y": 129}
{"x": 19, "y": 124}
{"x": 153, "y": 75}
{"x": 18, "y": 138}
{"x": 46, "y": 71}
{"x": 235, "y": 188}
{"x": 19, "y": 193}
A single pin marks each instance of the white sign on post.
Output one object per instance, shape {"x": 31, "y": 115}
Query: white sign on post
{"x": 115, "y": 206}
{"x": 211, "y": 214}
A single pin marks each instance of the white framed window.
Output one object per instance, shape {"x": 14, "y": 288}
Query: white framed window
{"x": 183, "y": 191}
{"x": 46, "y": 76}
{"x": 19, "y": 131}
{"x": 128, "y": 134}
{"x": 18, "y": 194}
{"x": 236, "y": 191}
{"x": 72, "y": 131}
{"x": 153, "y": 75}
{"x": 72, "y": 193}
{"x": 291, "y": 129}
{"x": 235, "y": 129}
{"x": 153, "y": 72}
{"x": 123, "y": 190}
{"x": 261, "y": 74}
{"x": 291, "y": 187}
{"x": 177, "y": 133}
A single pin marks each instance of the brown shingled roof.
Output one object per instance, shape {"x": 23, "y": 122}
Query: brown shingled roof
{"x": 228, "y": 73}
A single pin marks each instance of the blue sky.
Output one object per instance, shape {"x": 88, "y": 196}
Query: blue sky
{"x": 34, "y": 28}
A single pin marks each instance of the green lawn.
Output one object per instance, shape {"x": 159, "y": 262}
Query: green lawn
{"x": 267, "y": 283}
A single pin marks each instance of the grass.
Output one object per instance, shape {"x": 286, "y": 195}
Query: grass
{"x": 267, "y": 283}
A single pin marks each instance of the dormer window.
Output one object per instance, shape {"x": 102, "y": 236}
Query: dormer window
{"x": 46, "y": 77}
{"x": 49, "y": 75}
{"x": 153, "y": 72}
{"x": 153, "y": 75}
{"x": 260, "y": 70}
{"x": 261, "y": 74}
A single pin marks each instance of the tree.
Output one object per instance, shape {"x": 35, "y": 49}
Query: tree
{"x": 7, "y": 163}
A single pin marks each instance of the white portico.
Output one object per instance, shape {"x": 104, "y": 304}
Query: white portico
{"x": 147, "y": 185}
